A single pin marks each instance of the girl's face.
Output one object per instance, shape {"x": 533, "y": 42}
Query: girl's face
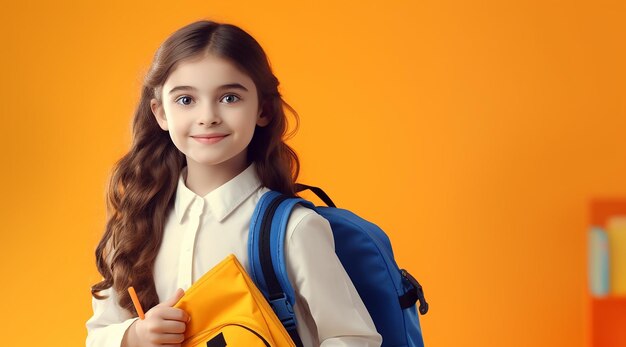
{"x": 210, "y": 109}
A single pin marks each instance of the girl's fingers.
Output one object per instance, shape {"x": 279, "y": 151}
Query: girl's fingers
{"x": 169, "y": 313}
{"x": 171, "y": 327}
{"x": 170, "y": 339}
{"x": 174, "y": 299}
{"x": 175, "y": 314}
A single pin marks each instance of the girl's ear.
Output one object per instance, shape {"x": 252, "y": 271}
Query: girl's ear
{"x": 159, "y": 113}
{"x": 262, "y": 119}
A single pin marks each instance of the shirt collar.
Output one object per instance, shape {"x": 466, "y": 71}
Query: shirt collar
{"x": 222, "y": 200}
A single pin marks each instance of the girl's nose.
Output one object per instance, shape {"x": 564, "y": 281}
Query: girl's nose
{"x": 209, "y": 116}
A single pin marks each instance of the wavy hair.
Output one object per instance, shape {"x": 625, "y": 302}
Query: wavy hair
{"x": 143, "y": 182}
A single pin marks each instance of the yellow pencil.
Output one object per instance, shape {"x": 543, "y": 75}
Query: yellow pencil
{"x": 133, "y": 296}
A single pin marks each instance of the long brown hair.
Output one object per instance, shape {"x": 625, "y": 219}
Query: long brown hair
{"x": 143, "y": 182}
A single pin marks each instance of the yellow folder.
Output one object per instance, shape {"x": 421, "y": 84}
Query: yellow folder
{"x": 227, "y": 309}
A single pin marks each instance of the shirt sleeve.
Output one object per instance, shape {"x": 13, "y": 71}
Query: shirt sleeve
{"x": 109, "y": 322}
{"x": 322, "y": 284}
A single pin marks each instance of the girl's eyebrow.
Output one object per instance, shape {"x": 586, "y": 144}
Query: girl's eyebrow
{"x": 225, "y": 86}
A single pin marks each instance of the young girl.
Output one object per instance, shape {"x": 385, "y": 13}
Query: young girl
{"x": 207, "y": 143}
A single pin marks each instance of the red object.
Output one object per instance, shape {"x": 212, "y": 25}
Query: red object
{"x": 607, "y": 314}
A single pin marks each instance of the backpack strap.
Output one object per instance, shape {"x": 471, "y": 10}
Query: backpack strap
{"x": 318, "y": 191}
{"x": 267, "y": 258}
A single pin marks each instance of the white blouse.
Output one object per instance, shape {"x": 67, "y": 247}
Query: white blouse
{"x": 202, "y": 231}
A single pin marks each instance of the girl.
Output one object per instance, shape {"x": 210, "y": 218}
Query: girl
{"x": 207, "y": 143}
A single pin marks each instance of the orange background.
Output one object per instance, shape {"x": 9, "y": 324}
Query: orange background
{"x": 475, "y": 133}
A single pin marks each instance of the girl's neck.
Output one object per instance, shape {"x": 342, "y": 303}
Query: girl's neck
{"x": 203, "y": 179}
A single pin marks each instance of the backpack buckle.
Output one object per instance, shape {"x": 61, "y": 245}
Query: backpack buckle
{"x": 419, "y": 291}
{"x": 283, "y": 309}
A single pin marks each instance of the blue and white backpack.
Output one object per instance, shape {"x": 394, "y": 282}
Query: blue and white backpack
{"x": 389, "y": 293}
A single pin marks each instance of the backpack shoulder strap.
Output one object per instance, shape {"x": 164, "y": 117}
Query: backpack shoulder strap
{"x": 266, "y": 242}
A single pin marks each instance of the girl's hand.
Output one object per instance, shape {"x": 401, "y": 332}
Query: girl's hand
{"x": 163, "y": 325}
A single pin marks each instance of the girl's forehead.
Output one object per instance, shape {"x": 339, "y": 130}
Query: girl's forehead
{"x": 207, "y": 73}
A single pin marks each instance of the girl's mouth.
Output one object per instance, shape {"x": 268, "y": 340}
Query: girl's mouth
{"x": 209, "y": 139}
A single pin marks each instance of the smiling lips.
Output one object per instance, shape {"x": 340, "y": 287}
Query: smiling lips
{"x": 209, "y": 138}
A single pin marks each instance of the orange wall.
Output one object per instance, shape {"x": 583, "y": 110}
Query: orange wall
{"x": 473, "y": 132}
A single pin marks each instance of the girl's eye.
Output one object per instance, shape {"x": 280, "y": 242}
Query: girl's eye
{"x": 230, "y": 98}
{"x": 184, "y": 98}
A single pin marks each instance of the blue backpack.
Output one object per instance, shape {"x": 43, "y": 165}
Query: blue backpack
{"x": 389, "y": 293}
